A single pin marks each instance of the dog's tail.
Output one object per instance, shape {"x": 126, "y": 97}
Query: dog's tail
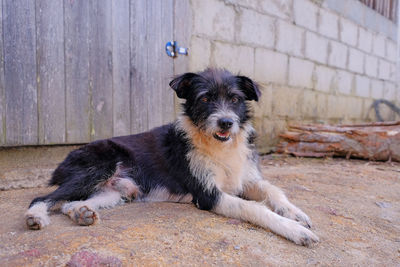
{"x": 79, "y": 175}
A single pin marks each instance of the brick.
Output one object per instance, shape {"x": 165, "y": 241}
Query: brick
{"x": 365, "y": 40}
{"x": 237, "y": 58}
{"x": 328, "y": 24}
{"x": 389, "y": 91}
{"x": 391, "y": 51}
{"x": 214, "y": 18}
{"x": 200, "y": 54}
{"x": 384, "y": 69}
{"x": 362, "y": 86}
{"x": 257, "y": 29}
{"x": 378, "y": 46}
{"x": 270, "y": 66}
{"x": 300, "y": 72}
{"x": 376, "y": 89}
{"x": 286, "y": 102}
{"x": 348, "y": 32}
{"x": 279, "y": 8}
{"x": 324, "y": 77}
{"x": 371, "y": 65}
{"x": 344, "y": 82}
{"x": 338, "y": 54}
{"x": 316, "y": 47}
{"x": 289, "y": 39}
{"x": 305, "y": 14}
{"x": 356, "y": 60}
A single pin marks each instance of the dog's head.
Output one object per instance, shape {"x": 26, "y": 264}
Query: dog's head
{"x": 216, "y": 101}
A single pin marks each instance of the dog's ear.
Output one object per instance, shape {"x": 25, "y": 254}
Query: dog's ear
{"x": 249, "y": 88}
{"x": 184, "y": 84}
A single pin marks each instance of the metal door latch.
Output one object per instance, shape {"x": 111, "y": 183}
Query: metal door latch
{"x": 172, "y": 49}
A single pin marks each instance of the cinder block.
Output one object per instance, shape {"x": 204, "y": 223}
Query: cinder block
{"x": 289, "y": 38}
{"x": 354, "y": 108}
{"x": 345, "y": 81}
{"x": 263, "y": 108}
{"x": 338, "y": 54}
{"x": 200, "y": 53}
{"x": 214, "y": 18}
{"x": 328, "y": 24}
{"x": 356, "y": 60}
{"x": 391, "y": 50}
{"x": 389, "y": 91}
{"x": 245, "y": 3}
{"x": 365, "y": 40}
{"x": 286, "y": 102}
{"x": 378, "y": 46}
{"x": 393, "y": 73}
{"x": 384, "y": 70}
{"x": 348, "y": 32}
{"x": 371, "y": 65}
{"x": 270, "y": 66}
{"x": 324, "y": 77}
{"x": 336, "y": 107}
{"x": 305, "y": 14}
{"x": 316, "y": 47}
{"x": 279, "y": 8}
{"x": 300, "y": 72}
{"x": 239, "y": 59}
{"x": 257, "y": 28}
{"x": 309, "y": 107}
{"x": 362, "y": 86}
{"x": 322, "y": 105}
{"x": 376, "y": 89}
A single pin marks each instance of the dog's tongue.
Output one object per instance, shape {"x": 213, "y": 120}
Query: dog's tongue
{"x": 223, "y": 134}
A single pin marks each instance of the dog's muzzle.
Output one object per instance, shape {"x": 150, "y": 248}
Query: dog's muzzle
{"x": 225, "y": 124}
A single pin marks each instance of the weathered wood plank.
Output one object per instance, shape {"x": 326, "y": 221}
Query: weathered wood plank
{"x": 100, "y": 71}
{"x": 182, "y": 34}
{"x": 139, "y": 73}
{"x": 20, "y": 72}
{"x": 166, "y": 66}
{"x": 160, "y": 103}
{"x": 76, "y": 28}
{"x": 2, "y": 87}
{"x": 50, "y": 60}
{"x": 121, "y": 68}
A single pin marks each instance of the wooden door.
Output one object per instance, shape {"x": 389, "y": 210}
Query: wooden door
{"x": 74, "y": 71}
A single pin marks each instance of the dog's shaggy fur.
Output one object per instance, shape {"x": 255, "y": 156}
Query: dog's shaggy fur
{"x": 206, "y": 157}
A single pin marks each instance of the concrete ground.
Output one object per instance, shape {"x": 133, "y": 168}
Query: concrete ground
{"x": 354, "y": 206}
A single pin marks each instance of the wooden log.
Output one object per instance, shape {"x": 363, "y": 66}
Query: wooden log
{"x": 375, "y": 141}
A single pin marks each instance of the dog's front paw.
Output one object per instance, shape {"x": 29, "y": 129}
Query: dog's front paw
{"x": 292, "y": 212}
{"x": 300, "y": 235}
{"x": 84, "y": 216}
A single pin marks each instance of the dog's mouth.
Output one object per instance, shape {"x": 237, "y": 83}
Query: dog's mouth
{"x": 222, "y": 136}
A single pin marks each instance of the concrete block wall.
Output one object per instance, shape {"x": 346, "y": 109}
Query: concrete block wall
{"x": 316, "y": 60}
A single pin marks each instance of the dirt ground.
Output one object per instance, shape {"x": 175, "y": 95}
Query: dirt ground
{"x": 354, "y": 206}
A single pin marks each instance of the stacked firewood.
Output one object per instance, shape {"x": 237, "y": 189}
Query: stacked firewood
{"x": 373, "y": 141}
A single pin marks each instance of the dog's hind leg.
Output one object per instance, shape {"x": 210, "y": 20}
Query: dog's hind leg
{"x": 262, "y": 190}
{"x": 113, "y": 192}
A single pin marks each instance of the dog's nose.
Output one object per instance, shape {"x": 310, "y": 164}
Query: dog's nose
{"x": 225, "y": 123}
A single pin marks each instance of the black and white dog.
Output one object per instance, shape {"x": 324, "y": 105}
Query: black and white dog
{"x": 206, "y": 157}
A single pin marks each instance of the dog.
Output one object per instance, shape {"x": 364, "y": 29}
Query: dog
{"x": 206, "y": 157}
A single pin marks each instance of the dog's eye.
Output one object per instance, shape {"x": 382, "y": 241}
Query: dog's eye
{"x": 204, "y": 99}
{"x": 235, "y": 99}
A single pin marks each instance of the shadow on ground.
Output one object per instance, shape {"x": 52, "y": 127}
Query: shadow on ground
{"x": 354, "y": 206}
